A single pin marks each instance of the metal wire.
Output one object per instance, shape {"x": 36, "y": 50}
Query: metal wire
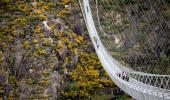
{"x": 109, "y": 14}
{"x": 138, "y": 84}
{"x": 141, "y": 30}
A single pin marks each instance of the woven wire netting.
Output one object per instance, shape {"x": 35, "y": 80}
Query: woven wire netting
{"x": 137, "y": 31}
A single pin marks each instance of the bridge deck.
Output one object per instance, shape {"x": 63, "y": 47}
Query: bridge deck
{"x": 136, "y": 89}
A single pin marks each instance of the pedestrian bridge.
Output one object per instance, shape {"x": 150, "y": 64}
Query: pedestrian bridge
{"x": 143, "y": 76}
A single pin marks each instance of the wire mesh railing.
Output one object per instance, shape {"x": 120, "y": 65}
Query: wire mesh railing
{"x": 137, "y": 34}
{"x": 137, "y": 31}
{"x": 138, "y": 84}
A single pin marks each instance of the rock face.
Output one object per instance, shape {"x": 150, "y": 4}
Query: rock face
{"x": 36, "y": 49}
{"x": 56, "y": 80}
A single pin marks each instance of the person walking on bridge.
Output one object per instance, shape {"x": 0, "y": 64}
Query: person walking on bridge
{"x": 96, "y": 41}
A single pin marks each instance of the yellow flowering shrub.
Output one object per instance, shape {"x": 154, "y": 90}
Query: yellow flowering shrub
{"x": 66, "y": 1}
{"x": 35, "y": 41}
{"x": 58, "y": 34}
{"x": 42, "y": 17}
{"x": 44, "y": 82}
{"x": 53, "y": 27}
{"x": 37, "y": 29}
{"x": 38, "y": 11}
{"x": 80, "y": 38}
{"x": 78, "y": 41}
{"x": 41, "y": 35}
{"x": 26, "y": 44}
{"x": 69, "y": 46}
{"x": 74, "y": 35}
{"x": 41, "y": 52}
{"x": 46, "y": 42}
{"x": 59, "y": 45}
{"x": 84, "y": 74}
{"x": 45, "y": 7}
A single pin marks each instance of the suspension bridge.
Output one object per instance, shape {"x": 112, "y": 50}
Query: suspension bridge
{"x": 123, "y": 33}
